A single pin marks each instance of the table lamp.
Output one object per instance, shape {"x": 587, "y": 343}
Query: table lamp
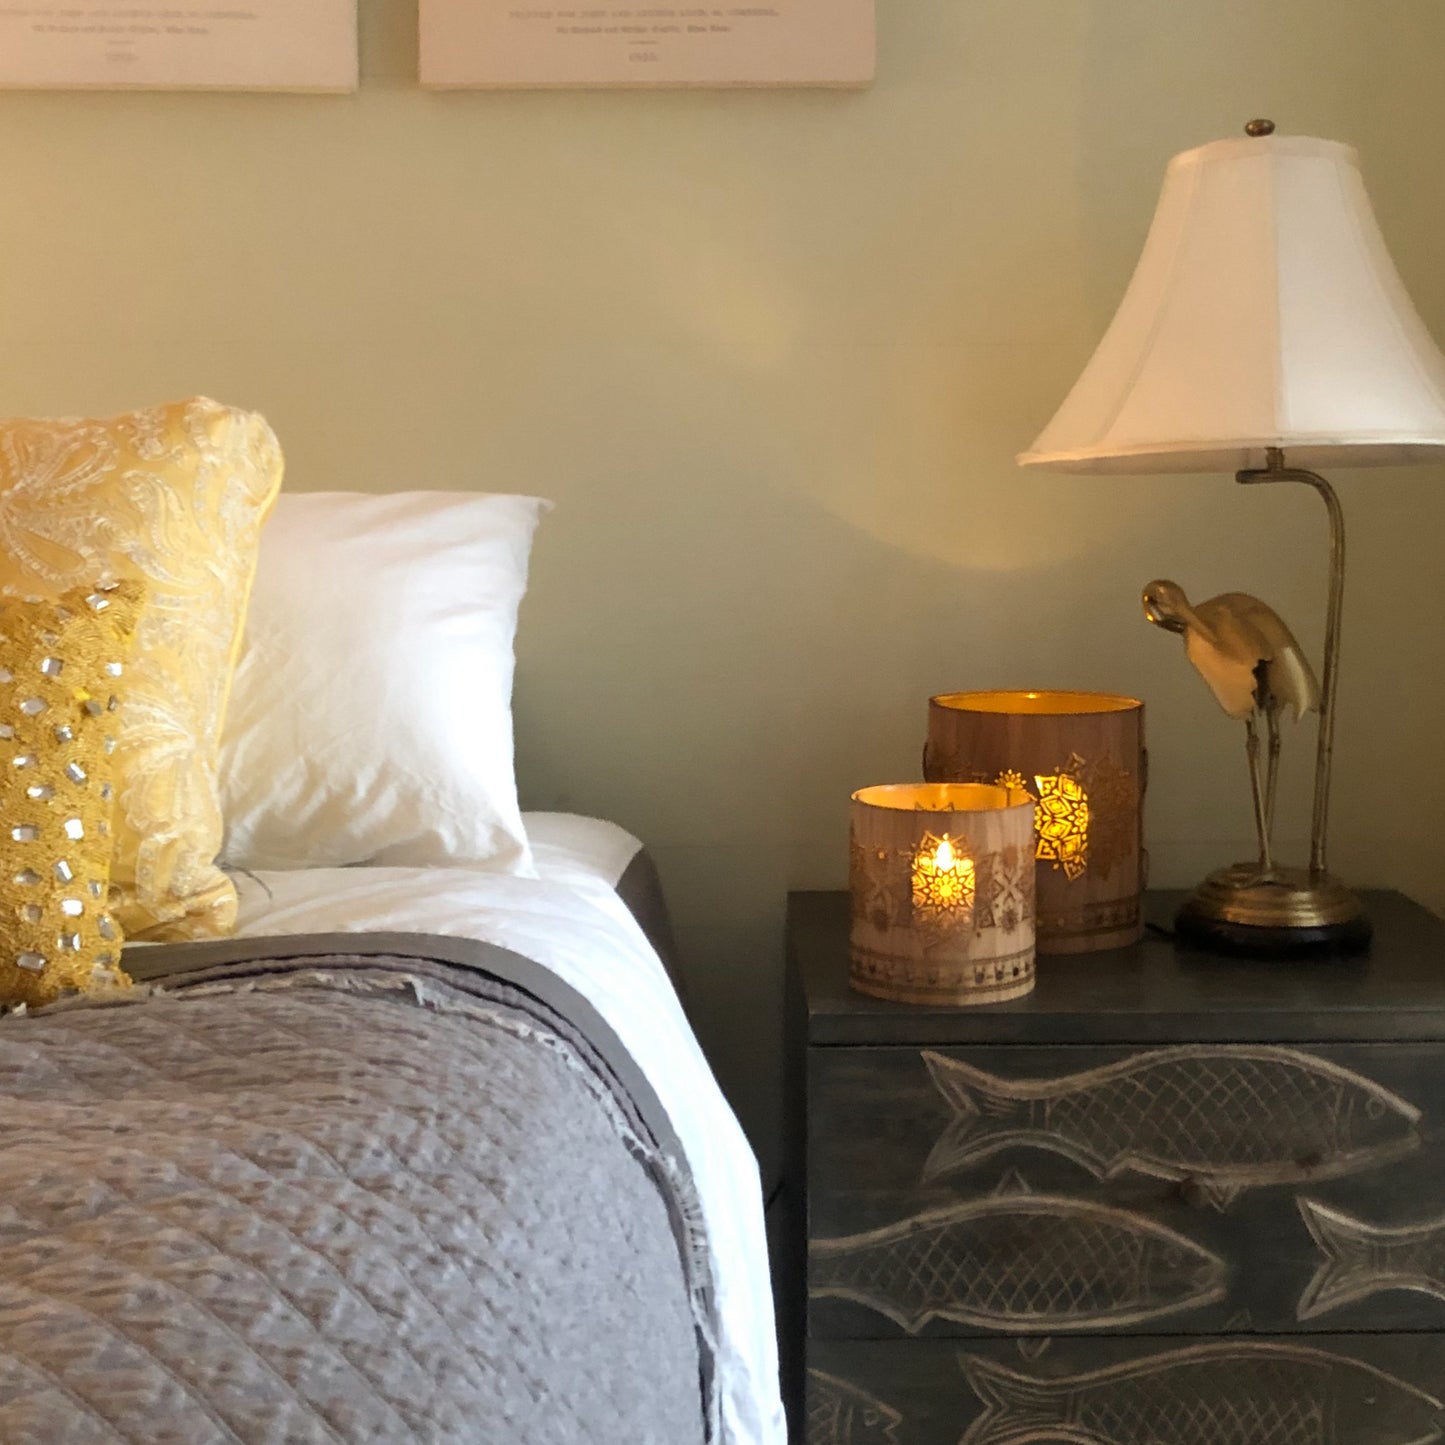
{"x": 1265, "y": 332}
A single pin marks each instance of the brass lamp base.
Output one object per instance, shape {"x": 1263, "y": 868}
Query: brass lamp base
{"x": 1288, "y": 912}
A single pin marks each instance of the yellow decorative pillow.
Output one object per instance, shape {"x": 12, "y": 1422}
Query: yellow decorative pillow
{"x": 60, "y": 669}
{"x": 173, "y": 498}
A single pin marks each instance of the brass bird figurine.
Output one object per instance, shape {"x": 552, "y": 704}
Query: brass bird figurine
{"x": 1242, "y": 648}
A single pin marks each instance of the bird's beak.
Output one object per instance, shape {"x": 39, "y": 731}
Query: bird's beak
{"x": 1156, "y": 614}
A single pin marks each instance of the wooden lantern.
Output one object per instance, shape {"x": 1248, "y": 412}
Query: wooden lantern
{"x": 942, "y": 883}
{"x": 1081, "y": 755}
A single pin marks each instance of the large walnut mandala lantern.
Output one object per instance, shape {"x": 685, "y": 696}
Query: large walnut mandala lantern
{"x": 1081, "y": 756}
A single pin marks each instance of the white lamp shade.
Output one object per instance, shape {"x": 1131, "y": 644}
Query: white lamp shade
{"x": 1265, "y": 312}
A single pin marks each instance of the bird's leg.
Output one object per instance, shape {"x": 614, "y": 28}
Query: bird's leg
{"x": 1251, "y": 746}
{"x": 1272, "y": 771}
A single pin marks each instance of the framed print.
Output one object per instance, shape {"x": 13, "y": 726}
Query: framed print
{"x": 522, "y": 43}
{"x": 123, "y": 45}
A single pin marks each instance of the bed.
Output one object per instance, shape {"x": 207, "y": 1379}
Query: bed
{"x": 280, "y": 1222}
{"x": 588, "y": 922}
{"x": 397, "y": 1130}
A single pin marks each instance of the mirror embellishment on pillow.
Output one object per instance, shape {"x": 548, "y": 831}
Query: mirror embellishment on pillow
{"x": 62, "y": 663}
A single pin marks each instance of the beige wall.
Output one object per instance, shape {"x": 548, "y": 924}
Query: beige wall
{"x": 772, "y": 354}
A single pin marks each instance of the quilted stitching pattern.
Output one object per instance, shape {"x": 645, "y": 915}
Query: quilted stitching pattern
{"x": 318, "y": 1217}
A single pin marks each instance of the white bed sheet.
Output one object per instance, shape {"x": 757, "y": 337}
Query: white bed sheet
{"x": 571, "y": 921}
{"x": 569, "y": 848}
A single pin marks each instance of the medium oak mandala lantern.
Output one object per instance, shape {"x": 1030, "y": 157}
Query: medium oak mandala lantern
{"x": 942, "y": 884}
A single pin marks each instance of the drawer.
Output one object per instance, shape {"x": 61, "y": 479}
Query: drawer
{"x": 1327, "y": 1390}
{"x": 1192, "y": 1189}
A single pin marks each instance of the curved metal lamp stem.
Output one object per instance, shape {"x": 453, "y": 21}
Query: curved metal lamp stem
{"x": 1276, "y": 471}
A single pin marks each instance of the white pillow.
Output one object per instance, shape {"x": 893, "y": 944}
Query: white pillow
{"x": 371, "y": 716}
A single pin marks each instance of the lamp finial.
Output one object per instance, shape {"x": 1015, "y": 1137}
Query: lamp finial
{"x": 1259, "y": 128}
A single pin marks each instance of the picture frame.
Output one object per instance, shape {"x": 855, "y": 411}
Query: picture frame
{"x": 633, "y": 43}
{"x": 282, "y": 45}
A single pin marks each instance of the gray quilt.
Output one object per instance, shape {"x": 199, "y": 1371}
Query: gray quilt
{"x": 305, "y": 1193}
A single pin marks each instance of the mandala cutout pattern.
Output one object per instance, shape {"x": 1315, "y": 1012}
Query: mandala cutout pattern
{"x": 861, "y": 880}
{"x": 1012, "y": 778}
{"x": 944, "y": 882}
{"x": 1061, "y": 819}
{"x": 1084, "y": 814}
{"x": 942, "y": 889}
{"x": 880, "y": 897}
{"x": 1005, "y": 891}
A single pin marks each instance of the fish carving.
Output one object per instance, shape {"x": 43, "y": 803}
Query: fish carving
{"x": 1019, "y": 1262}
{"x": 841, "y": 1414}
{"x": 1225, "y": 1117}
{"x": 1228, "y": 1393}
{"x": 1367, "y": 1259}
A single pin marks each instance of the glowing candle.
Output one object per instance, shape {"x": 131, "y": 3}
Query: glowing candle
{"x": 943, "y": 877}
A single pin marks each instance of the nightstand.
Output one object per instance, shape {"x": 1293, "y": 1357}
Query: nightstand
{"x": 1167, "y": 1199}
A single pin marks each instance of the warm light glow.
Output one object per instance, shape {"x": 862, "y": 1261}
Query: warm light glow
{"x": 1038, "y": 704}
{"x": 1061, "y": 821}
{"x": 943, "y": 876}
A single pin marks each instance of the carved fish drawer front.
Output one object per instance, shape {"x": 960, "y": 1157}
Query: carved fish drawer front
{"x": 1067, "y": 1190}
{"x": 1166, "y": 1199}
{"x": 1335, "y": 1390}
